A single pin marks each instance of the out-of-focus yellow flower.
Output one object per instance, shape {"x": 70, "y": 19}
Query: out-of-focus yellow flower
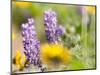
{"x": 19, "y": 60}
{"x": 90, "y": 9}
{"x": 54, "y": 55}
{"x": 13, "y": 36}
{"x": 23, "y": 4}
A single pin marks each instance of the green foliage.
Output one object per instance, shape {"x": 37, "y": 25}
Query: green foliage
{"x": 76, "y": 64}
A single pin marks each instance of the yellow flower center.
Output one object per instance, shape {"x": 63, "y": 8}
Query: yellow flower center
{"x": 54, "y": 54}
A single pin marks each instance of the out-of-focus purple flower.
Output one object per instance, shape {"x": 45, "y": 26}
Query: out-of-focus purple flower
{"x": 53, "y": 31}
{"x": 85, "y": 16}
{"x": 60, "y": 30}
{"x": 31, "y": 43}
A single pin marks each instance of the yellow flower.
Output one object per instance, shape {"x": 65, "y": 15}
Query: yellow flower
{"x": 90, "y": 9}
{"x": 23, "y": 4}
{"x": 19, "y": 60}
{"x": 13, "y": 36}
{"x": 54, "y": 55}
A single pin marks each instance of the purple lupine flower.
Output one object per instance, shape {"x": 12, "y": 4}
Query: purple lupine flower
{"x": 31, "y": 43}
{"x": 53, "y": 31}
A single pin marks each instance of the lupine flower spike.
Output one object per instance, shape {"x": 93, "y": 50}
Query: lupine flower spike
{"x": 31, "y": 43}
{"x": 52, "y": 29}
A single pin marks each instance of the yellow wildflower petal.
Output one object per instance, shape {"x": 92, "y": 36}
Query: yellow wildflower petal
{"x": 17, "y": 57}
{"x": 54, "y": 54}
{"x": 23, "y": 4}
{"x": 23, "y": 60}
{"x": 90, "y": 9}
{"x": 20, "y": 60}
{"x": 13, "y": 36}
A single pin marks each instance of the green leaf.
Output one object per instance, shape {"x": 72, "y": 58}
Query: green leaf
{"x": 77, "y": 65}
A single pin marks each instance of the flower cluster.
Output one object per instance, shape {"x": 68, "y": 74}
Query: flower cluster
{"x": 31, "y": 43}
{"x": 53, "y": 31}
